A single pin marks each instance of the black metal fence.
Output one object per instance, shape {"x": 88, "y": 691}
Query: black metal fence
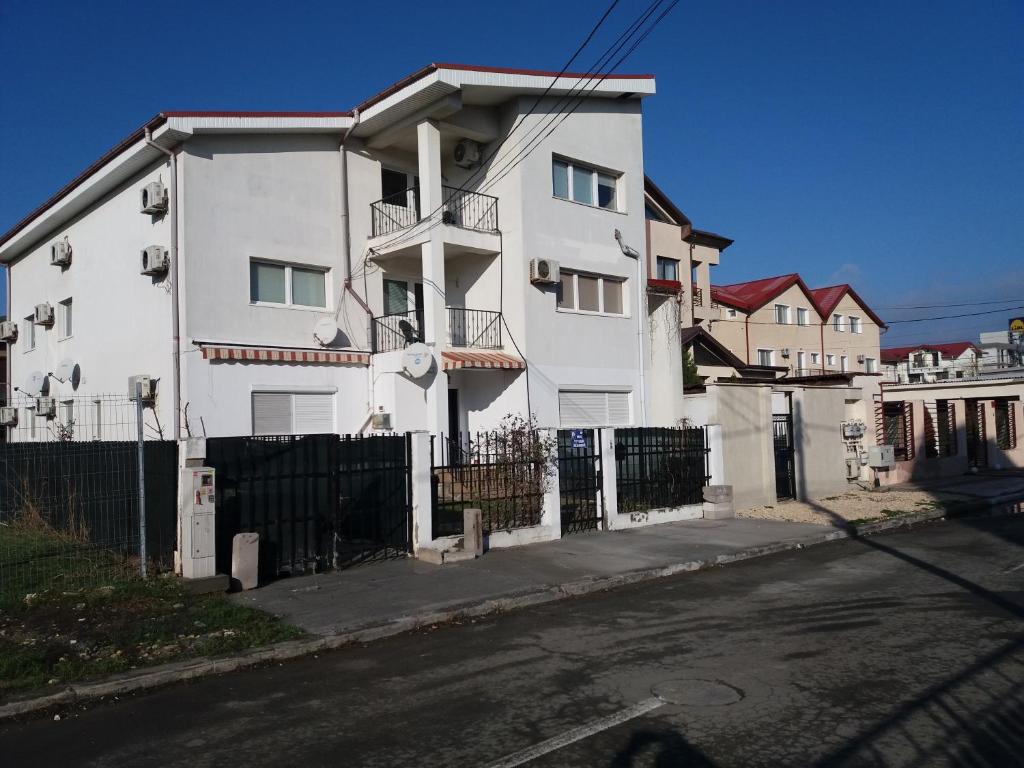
{"x": 940, "y": 429}
{"x": 317, "y": 501}
{"x": 580, "y": 479}
{"x": 396, "y": 331}
{"x": 474, "y": 328}
{"x": 459, "y": 208}
{"x": 660, "y": 467}
{"x": 503, "y": 476}
{"x": 395, "y": 212}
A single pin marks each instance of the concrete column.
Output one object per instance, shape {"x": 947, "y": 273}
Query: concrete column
{"x": 704, "y": 281}
{"x": 919, "y": 431}
{"x": 608, "y": 479}
{"x": 422, "y": 491}
{"x": 960, "y": 415}
{"x": 716, "y": 458}
{"x": 551, "y": 513}
{"x": 428, "y": 148}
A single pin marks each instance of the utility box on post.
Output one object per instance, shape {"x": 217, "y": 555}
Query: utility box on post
{"x": 881, "y": 457}
{"x": 198, "y": 518}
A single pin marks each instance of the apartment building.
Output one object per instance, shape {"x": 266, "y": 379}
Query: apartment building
{"x": 403, "y": 265}
{"x": 928, "y": 363}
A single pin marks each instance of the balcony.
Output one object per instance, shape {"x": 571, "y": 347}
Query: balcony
{"x": 389, "y": 333}
{"x": 467, "y": 329}
{"x": 459, "y": 208}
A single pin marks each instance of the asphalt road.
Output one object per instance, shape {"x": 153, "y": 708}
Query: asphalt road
{"x": 905, "y": 649}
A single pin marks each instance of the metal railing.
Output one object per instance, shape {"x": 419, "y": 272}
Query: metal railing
{"x": 459, "y": 208}
{"x": 396, "y": 331}
{"x": 474, "y": 328}
{"x": 660, "y": 467}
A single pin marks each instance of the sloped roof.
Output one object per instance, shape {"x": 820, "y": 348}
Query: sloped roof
{"x": 828, "y": 298}
{"x": 754, "y": 294}
{"x": 952, "y": 349}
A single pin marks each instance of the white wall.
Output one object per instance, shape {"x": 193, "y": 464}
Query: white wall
{"x": 664, "y": 358}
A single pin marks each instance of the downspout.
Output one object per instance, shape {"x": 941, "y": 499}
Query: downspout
{"x": 641, "y": 312}
{"x": 7, "y": 360}
{"x": 821, "y": 360}
{"x": 346, "y": 233}
{"x": 175, "y": 324}
{"x": 746, "y": 332}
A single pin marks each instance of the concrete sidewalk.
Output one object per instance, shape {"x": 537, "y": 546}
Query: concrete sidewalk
{"x": 397, "y": 591}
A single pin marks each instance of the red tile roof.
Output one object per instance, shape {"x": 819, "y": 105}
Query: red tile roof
{"x": 828, "y": 298}
{"x": 753, "y": 295}
{"x": 949, "y": 350}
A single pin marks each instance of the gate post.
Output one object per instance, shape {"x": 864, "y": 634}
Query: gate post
{"x": 609, "y": 475}
{"x": 421, "y": 476}
{"x": 551, "y": 511}
{"x": 716, "y": 455}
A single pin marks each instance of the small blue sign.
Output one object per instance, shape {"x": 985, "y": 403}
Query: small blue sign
{"x": 578, "y": 439}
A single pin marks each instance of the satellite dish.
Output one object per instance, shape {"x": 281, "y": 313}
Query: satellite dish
{"x": 416, "y": 360}
{"x": 36, "y": 384}
{"x": 325, "y": 332}
{"x": 65, "y": 370}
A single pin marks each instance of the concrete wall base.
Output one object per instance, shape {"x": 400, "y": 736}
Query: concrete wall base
{"x": 623, "y": 521}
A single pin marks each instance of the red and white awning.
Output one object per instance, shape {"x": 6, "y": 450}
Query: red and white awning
{"x": 451, "y": 361}
{"x": 280, "y": 355}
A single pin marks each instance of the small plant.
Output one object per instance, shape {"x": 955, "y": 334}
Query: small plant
{"x": 64, "y": 432}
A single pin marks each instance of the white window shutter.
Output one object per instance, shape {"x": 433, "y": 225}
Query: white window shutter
{"x": 271, "y": 413}
{"x": 594, "y": 408}
{"x": 618, "y": 409}
{"x": 314, "y": 413}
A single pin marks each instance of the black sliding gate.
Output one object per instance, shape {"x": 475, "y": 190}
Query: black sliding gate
{"x": 579, "y": 479}
{"x": 785, "y": 471}
{"x": 317, "y": 501}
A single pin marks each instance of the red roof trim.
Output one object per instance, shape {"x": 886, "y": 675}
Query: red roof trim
{"x": 841, "y": 290}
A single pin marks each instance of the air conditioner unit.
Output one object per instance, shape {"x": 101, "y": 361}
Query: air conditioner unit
{"x": 60, "y": 254}
{"x": 8, "y": 417}
{"x": 8, "y": 331}
{"x": 543, "y": 271}
{"x": 155, "y": 260}
{"x": 148, "y": 387}
{"x": 381, "y": 421}
{"x": 860, "y": 359}
{"x": 154, "y": 197}
{"x": 46, "y": 407}
{"x": 785, "y": 352}
{"x": 43, "y": 314}
{"x": 467, "y": 153}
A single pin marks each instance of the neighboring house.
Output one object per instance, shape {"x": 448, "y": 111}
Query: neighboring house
{"x": 811, "y": 333}
{"x": 927, "y": 363}
{"x": 1000, "y": 350}
{"x": 298, "y": 254}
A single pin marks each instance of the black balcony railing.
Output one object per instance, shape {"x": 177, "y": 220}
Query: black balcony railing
{"x": 396, "y": 331}
{"x": 474, "y": 328}
{"x": 459, "y": 208}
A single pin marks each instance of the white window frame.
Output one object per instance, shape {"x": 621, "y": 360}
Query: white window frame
{"x": 855, "y": 324}
{"x": 659, "y": 260}
{"x": 27, "y": 335}
{"x": 815, "y": 358}
{"x": 730, "y": 312}
{"x": 803, "y": 316}
{"x": 288, "y": 298}
{"x": 801, "y": 360}
{"x": 870, "y": 365}
{"x": 771, "y": 356}
{"x": 844, "y": 363}
{"x": 837, "y": 323}
{"x": 292, "y": 391}
{"x": 830, "y": 360}
{"x": 65, "y": 319}
{"x": 594, "y": 171}
{"x": 784, "y": 313}
{"x": 600, "y": 294}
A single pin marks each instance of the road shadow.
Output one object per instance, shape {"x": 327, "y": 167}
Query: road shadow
{"x": 660, "y": 749}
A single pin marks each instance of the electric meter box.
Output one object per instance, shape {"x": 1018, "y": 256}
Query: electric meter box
{"x": 199, "y": 505}
{"x": 881, "y": 456}
{"x": 204, "y": 491}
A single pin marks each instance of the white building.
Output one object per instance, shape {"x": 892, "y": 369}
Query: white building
{"x": 927, "y": 363}
{"x": 304, "y": 251}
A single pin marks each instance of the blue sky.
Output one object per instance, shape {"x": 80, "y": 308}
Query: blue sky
{"x": 874, "y": 142}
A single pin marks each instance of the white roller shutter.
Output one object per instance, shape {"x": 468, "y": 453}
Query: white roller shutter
{"x": 618, "y": 409}
{"x": 593, "y": 408}
{"x": 271, "y": 413}
{"x": 314, "y": 413}
{"x": 292, "y": 413}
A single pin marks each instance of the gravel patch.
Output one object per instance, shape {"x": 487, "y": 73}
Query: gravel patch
{"x": 851, "y": 505}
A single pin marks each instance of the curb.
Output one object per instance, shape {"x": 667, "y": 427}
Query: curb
{"x": 203, "y": 667}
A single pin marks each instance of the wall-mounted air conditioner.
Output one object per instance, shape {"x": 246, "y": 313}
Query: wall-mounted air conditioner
{"x": 154, "y": 197}
{"x": 147, "y": 383}
{"x": 155, "y": 260}
{"x": 60, "y": 253}
{"x": 46, "y": 407}
{"x": 543, "y": 271}
{"x": 381, "y": 420}
{"x": 43, "y": 314}
{"x": 860, "y": 359}
{"x": 467, "y": 153}
{"x": 8, "y": 417}
{"x": 8, "y": 331}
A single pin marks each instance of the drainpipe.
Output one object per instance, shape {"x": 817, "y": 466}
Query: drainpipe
{"x": 7, "y": 363}
{"x": 346, "y": 234}
{"x": 746, "y": 332}
{"x": 175, "y": 324}
{"x": 641, "y": 312}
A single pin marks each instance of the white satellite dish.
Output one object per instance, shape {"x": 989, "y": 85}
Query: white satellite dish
{"x": 417, "y": 360}
{"x": 36, "y": 383}
{"x": 325, "y": 332}
{"x": 65, "y": 370}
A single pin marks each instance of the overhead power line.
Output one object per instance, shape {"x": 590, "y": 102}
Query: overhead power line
{"x": 948, "y": 306}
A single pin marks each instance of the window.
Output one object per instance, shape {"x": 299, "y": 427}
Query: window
{"x": 730, "y": 312}
{"x": 802, "y": 317}
{"x": 1006, "y": 427}
{"x": 292, "y": 413}
{"x": 396, "y": 297}
{"x": 782, "y": 314}
{"x": 668, "y": 269}
{"x": 64, "y": 326}
{"x": 844, "y": 363}
{"x": 27, "y": 335}
{"x": 399, "y": 188}
{"x": 815, "y": 358}
{"x": 837, "y": 323}
{"x": 855, "y": 326}
{"x": 765, "y": 356}
{"x": 830, "y": 360}
{"x": 801, "y": 361}
{"x": 284, "y": 284}
{"x": 594, "y": 408}
{"x": 591, "y": 293}
{"x": 870, "y": 365}
{"x": 573, "y": 181}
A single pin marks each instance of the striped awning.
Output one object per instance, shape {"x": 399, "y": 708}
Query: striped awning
{"x": 280, "y": 355}
{"x": 451, "y": 361}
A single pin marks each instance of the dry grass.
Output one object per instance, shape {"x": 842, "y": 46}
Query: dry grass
{"x": 855, "y": 505}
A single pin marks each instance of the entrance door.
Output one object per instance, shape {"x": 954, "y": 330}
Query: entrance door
{"x": 580, "y": 479}
{"x": 785, "y": 470}
{"x": 455, "y": 446}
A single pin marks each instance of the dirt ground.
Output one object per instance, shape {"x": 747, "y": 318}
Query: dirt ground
{"x": 856, "y": 504}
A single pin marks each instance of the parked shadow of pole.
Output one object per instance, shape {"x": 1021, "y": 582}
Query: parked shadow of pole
{"x": 670, "y": 750}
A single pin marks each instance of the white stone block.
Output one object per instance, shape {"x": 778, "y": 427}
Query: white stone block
{"x": 245, "y": 560}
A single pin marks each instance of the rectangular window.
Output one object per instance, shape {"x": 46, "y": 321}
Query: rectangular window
{"x": 815, "y": 358}
{"x": 855, "y": 326}
{"x": 870, "y": 365}
{"x": 830, "y": 360}
{"x": 288, "y": 285}
{"x": 801, "y": 361}
{"x": 837, "y": 323}
{"x": 802, "y": 317}
{"x": 27, "y": 335}
{"x": 591, "y": 293}
{"x": 64, "y": 326}
{"x": 584, "y": 184}
{"x": 766, "y": 357}
{"x": 396, "y": 297}
{"x": 782, "y": 314}
{"x": 592, "y": 408}
{"x": 668, "y": 269}
{"x": 844, "y": 363}
{"x": 730, "y": 312}
{"x": 292, "y": 413}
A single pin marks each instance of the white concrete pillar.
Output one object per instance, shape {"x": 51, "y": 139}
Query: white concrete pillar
{"x": 428, "y": 148}
{"x": 917, "y": 418}
{"x": 960, "y": 417}
{"x": 422, "y": 491}
{"x": 551, "y": 512}
{"x": 608, "y": 479}
{"x": 716, "y": 458}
